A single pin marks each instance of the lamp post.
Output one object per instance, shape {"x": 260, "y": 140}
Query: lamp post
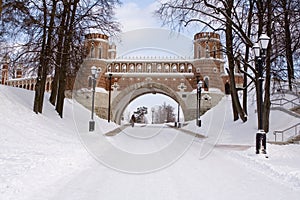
{"x": 197, "y": 109}
{"x": 259, "y": 50}
{"x": 109, "y": 96}
{"x": 178, "y": 117}
{"x": 95, "y": 73}
{"x": 199, "y": 88}
{"x": 152, "y": 110}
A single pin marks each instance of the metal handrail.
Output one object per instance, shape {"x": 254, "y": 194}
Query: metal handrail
{"x": 286, "y": 101}
{"x": 287, "y": 129}
{"x": 283, "y": 89}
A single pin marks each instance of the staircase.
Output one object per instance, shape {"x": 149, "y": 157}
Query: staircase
{"x": 285, "y": 100}
{"x": 295, "y": 140}
{"x": 296, "y": 110}
{"x": 288, "y": 135}
{"x": 288, "y": 102}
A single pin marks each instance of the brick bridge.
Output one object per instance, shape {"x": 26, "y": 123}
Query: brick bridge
{"x": 129, "y": 77}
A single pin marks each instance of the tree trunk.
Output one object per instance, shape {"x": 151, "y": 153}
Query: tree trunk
{"x": 237, "y": 109}
{"x": 72, "y": 6}
{"x": 267, "y": 101}
{"x": 55, "y": 82}
{"x": 54, "y": 87}
{"x": 247, "y": 52}
{"x": 288, "y": 43}
{"x": 44, "y": 57}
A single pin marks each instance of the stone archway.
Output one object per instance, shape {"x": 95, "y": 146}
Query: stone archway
{"x": 124, "y": 98}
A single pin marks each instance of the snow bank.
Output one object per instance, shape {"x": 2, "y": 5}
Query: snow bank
{"x": 36, "y": 150}
{"x": 42, "y": 157}
{"x": 281, "y": 166}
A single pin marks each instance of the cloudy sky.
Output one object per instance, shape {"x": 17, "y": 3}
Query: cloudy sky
{"x": 134, "y": 14}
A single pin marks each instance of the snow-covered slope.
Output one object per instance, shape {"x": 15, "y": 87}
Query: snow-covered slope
{"x": 42, "y": 157}
{"x": 230, "y": 132}
{"x": 35, "y": 149}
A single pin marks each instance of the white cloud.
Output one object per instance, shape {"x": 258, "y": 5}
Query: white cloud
{"x": 132, "y": 16}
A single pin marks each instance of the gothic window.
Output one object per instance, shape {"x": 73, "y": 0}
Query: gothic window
{"x": 182, "y": 68}
{"x": 206, "y": 83}
{"x": 190, "y": 68}
{"x": 131, "y": 68}
{"x": 100, "y": 52}
{"x": 92, "y": 50}
{"x": 159, "y": 68}
{"x": 199, "y": 52}
{"x": 207, "y": 50}
{"x": 117, "y": 68}
{"x": 124, "y": 68}
{"x": 215, "y": 50}
{"x": 174, "y": 68}
{"x": 149, "y": 68}
{"x": 167, "y": 68}
{"x": 139, "y": 68}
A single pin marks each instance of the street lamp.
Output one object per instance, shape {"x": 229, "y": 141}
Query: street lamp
{"x": 199, "y": 88}
{"x": 178, "y": 117}
{"x": 109, "y": 96}
{"x": 95, "y": 73}
{"x": 152, "y": 109}
{"x": 259, "y": 50}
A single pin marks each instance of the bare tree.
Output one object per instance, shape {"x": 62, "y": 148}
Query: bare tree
{"x": 47, "y": 42}
{"x": 52, "y": 33}
{"x": 77, "y": 19}
{"x": 164, "y": 113}
{"x": 286, "y": 22}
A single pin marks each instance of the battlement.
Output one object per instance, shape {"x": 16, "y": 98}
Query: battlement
{"x": 96, "y": 36}
{"x": 206, "y": 36}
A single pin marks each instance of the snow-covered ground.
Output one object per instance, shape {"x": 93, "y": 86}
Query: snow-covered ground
{"x": 46, "y": 157}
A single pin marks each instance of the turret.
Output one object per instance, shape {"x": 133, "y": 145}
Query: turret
{"x": 97, "y": 45}
{"x": 4, "y": 70}
{"x": 207, "y": 45}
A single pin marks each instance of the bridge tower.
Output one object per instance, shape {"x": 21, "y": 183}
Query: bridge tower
{"x": 4, "y": 71}
{"x": 208, "y": 59}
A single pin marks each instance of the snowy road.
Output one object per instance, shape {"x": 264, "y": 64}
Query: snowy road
{"x": 44, "y": 157}
{"x": 218, "y": 176}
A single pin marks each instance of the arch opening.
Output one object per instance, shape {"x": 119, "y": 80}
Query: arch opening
{"x": 160, "y": 109}
{"x": 135, "y": 91}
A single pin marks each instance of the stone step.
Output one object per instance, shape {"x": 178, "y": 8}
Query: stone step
{"x": 295, "y": 139}
{"x": 296, "y": 109}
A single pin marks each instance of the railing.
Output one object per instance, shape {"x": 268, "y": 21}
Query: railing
{"x": 283, "y": 102}
{"x": 285, "y": 130}
{"x": 284, "y": 89}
